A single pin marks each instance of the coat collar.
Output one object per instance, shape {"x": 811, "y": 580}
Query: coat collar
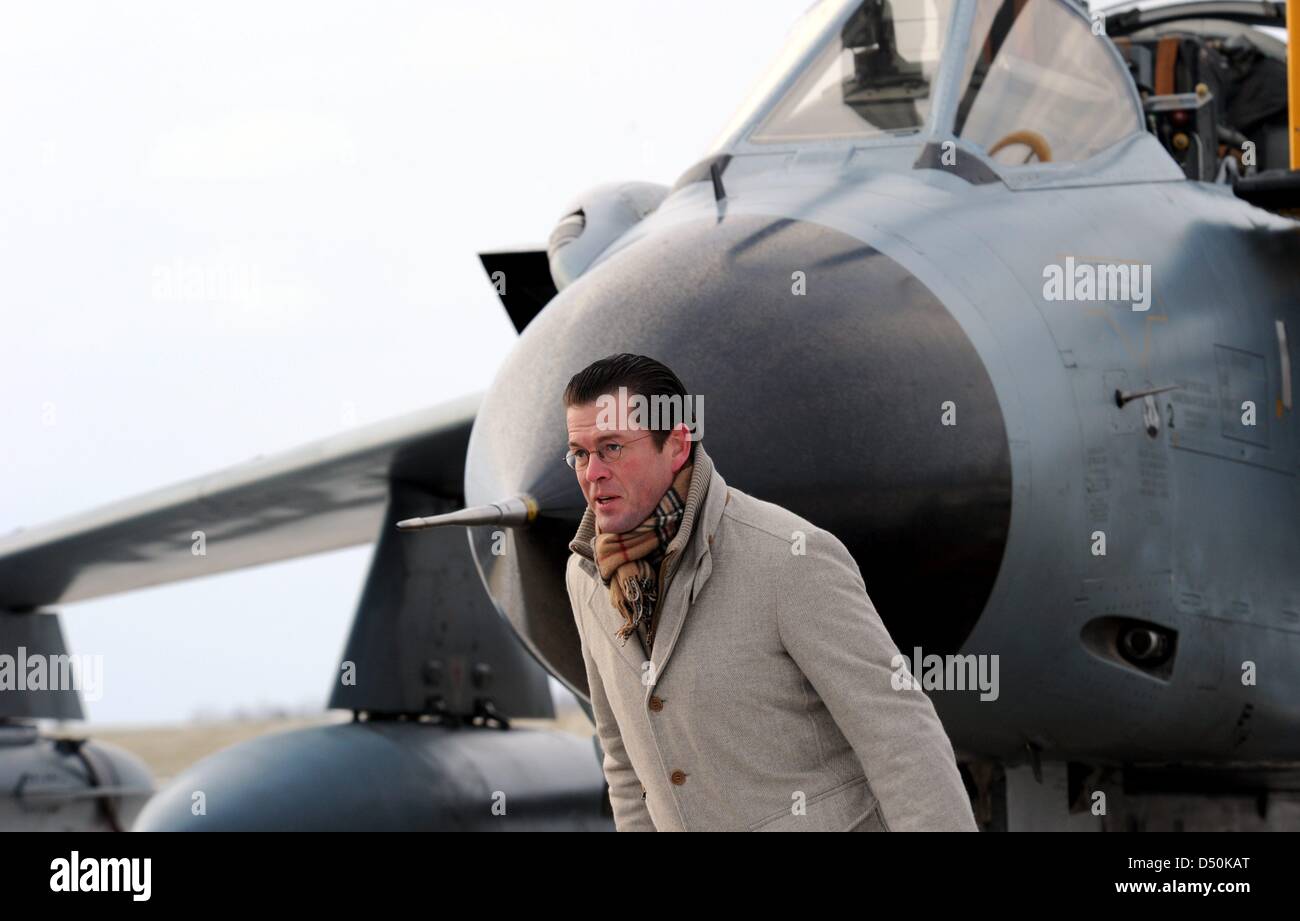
{"x": 709, "y": 491}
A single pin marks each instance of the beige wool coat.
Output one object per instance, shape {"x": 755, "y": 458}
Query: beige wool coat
{"x": 767, "y": 703}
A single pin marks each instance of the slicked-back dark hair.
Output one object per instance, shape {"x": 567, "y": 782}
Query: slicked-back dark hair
{"x": 640, "y": 374}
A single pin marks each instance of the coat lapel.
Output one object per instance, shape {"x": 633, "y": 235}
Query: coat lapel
{"x": 607, "y": 620}
{"x": 689, "y": 578}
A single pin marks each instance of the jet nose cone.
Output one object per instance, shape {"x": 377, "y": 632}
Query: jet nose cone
{"x": 823, "y": 370}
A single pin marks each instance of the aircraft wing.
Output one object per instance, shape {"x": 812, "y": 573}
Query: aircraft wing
{"x": 325, "y": 495}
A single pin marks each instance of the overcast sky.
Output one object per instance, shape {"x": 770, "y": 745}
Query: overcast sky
{"x": 330, "y": 170}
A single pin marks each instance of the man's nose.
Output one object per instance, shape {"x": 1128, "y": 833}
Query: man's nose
{"x": 597, "y": 469}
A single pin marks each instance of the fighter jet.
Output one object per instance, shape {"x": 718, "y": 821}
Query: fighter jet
{"x": 999, "y": 293}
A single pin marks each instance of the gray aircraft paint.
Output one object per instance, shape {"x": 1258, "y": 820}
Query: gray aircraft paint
{"x": 1203, "y": 534}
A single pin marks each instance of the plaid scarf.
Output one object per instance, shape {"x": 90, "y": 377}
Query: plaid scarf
{"x": 629, "y": 561}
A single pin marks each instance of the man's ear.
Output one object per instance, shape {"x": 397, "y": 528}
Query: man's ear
{"x": 680, "y": 443}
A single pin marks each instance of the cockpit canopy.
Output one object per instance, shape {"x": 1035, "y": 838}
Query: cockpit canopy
{"x": 874, "y": 78}
{"x": 1033, "y": 78}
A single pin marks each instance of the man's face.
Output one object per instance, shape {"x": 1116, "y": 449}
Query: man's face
{"x": 634, "y": 483}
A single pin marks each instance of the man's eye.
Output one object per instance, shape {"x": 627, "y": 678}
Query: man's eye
{"x": 580, "y": 455}
{"x": 613, "y": 448}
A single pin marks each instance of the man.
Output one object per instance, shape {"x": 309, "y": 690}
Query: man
{"x": 740, "y": 677}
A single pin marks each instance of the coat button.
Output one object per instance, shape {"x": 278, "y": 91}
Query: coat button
{"x": 656, "y": 704}
{"x": 678, "y": 777}
{"x": 710, "y": 540}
